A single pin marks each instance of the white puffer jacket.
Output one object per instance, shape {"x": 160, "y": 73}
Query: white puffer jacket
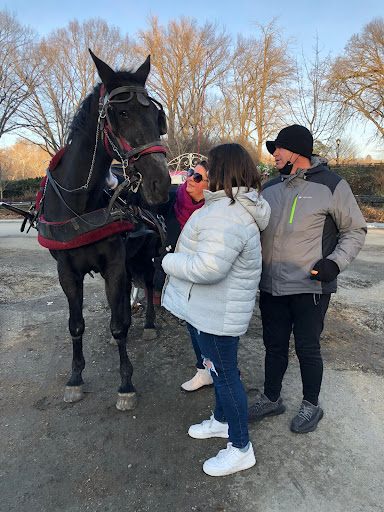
{"x": 214, "y": 274}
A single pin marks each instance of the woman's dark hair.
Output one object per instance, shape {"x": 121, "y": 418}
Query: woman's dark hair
{"x": 203, "y": 163}
{"x": 230, "y": 165}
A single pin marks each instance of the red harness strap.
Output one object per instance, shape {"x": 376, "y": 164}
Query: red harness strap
{"x": 56, "y": 158}
{"x": 86, "y": 238}
{"x": 40, "y": 193}
{"x": 52, "y": 165}
{"x": 153, "y": 149}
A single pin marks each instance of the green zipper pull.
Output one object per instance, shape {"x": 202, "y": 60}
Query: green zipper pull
{"x": 293, "y": 210}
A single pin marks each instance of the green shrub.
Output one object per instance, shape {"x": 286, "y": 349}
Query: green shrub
{"x": 22, "y": 190}
{"x": 363, "y": 179}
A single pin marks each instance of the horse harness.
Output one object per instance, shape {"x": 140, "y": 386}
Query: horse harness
{"x": 134, "y": 221}
{"x": 125, "y": 152}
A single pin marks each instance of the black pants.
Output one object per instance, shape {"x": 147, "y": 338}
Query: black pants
{"x": 304, "y": 314}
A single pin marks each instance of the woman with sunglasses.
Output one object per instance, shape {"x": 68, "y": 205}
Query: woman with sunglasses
{"x": 196, "y": 183}
{"x": 184, "y": 200}
{"x": 213, "y": 277}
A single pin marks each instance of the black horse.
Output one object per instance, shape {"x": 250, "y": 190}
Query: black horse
{"x": 144, "y": 254}
{"x": 117, "y": 120}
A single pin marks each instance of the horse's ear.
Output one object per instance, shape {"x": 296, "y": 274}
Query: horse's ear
{"x": 143, "y": 71}
{"x": 105, "y": 72}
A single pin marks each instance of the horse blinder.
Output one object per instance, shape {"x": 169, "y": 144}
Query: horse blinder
{"x": 142, "y": 98}
{"x": 162, "y": 122}
{"x": 162, "y": 118}
{"x": 106, "y": 112}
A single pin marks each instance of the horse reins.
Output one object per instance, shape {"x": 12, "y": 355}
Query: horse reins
{"x": 124, "y": 151}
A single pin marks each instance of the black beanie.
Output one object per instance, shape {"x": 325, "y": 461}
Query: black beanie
{"x": 295, "y": 138}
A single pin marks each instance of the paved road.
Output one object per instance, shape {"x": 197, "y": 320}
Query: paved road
{"x": 58, "y": 457}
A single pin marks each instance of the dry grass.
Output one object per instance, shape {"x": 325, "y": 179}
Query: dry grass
{"x": 372, "y": 214}
{"x": 6, "y": 214}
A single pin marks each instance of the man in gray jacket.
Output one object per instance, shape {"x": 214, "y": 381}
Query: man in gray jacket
{"x": 315, "y": 231}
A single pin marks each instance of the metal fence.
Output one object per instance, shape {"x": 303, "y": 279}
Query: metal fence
{"x": 376, "y": 201}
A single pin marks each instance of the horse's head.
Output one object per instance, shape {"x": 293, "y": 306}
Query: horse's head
{"x": 133, "y": 125}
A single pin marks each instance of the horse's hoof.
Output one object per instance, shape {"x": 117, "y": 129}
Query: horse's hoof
{"x": 113, "y": 342}
{"x": 73, "y": 393}
{"x": 126, "y": 401}
{"x": 149, "y": 334}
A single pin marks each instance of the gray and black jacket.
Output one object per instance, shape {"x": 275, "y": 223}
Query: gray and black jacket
{"x": 314, "y": 215}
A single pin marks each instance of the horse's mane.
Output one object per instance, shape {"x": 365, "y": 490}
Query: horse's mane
{"x": 82, "y": 116}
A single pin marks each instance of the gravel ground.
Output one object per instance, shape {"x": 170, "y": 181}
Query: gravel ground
{"x": 90, "y": 456}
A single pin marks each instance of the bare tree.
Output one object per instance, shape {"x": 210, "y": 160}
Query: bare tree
{"x": 187, "y": 61}
{"x": 312, "y": 104}
{"x": 67, "y": 75}
{"x": 237, "y": 106}
{"x": 25, "y": 160}
{"x": 15, "y": 66}
{"x": 357, "y": 76}
{"x": 257, "y": 90}
{"x": 5, "y": 173}
{"x": 344, "y": 150}
{"x": 338, "y": 151}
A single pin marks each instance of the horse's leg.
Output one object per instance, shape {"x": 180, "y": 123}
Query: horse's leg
{"x": 150, "y": 315}
{"x": 73, "y": 289}
{"x": 115, "y": 285}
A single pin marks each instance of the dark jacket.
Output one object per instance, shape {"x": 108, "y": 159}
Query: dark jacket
{"x": 314, "y": 215}
{"x": 172, "y": 235}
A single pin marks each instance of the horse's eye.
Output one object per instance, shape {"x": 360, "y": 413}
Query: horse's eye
{"x": 123, "y": 113}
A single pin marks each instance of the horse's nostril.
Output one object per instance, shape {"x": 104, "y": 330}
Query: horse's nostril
{"x": 159, "y": 186}
{"x": 155, "y": 187}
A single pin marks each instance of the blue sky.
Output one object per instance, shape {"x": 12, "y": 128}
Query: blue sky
{"x": 334, "y": 21}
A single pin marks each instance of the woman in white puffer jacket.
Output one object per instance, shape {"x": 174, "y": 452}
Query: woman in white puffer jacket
{"x": 212, "y": 282}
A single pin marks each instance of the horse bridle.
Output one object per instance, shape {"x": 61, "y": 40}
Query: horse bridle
{"x": 126, "y": 154}
{"x": 124, "y": 151}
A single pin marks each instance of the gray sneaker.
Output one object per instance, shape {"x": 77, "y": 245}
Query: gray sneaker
{"x": 307, "y": 419}
{"x": 264, "y": 407}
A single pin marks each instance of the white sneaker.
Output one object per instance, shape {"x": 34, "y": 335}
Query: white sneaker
{"x": 209, "y": 428}
{"x": 201, "y": 380}
{"x": 228, "y": 461}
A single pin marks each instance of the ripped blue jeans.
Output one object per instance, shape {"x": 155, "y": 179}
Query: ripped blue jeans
{"x": 219, "y": 356}
{"x": 195, "y": 345}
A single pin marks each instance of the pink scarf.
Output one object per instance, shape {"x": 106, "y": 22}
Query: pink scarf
{"x": 184, "y": 206}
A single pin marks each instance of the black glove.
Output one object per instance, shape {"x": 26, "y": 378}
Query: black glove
{"x": 157, "y": 261}
{"x": 159, "y": 277}
{"x": 159, "y": 280}
{"x": 327, "y": 270}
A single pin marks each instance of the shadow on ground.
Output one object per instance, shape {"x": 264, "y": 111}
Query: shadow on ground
{"x": 90, "y": 456}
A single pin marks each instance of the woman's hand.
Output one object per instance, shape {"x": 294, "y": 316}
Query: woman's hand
{"x": 157, "y": 261}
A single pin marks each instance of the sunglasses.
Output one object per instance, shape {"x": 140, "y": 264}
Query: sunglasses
{"x": 197, "y": 177}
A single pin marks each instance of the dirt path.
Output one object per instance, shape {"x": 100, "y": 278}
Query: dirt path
{"x": 89, "y": 456}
